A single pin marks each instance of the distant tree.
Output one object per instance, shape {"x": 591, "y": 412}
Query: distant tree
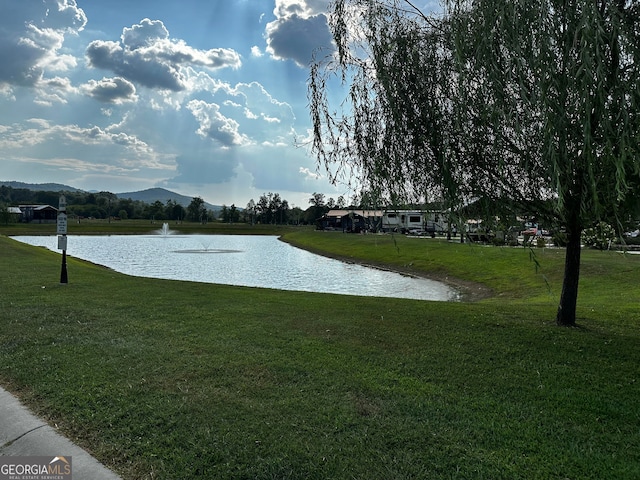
{"x": 274, "y": 207}
{"x": 47, "y": 198}
{"x": 250, "y": 212}
{"x": 229, "y": 214}
{"x": 234, "y": 214}
{"x": 157, "y": 210}
{"x": 22, "y": 195}
{"x": 317, "y": 209}
{"x": 341, "y": 202}
{"x": 5, "y": 193}
{"x": 4, "y": 214}
{"x": 530, "y": 104}
{"x": 168, "y": 209}
{"x": 106, "y": 201}
{"x": 296, "y": 215}
{"x": 174, "y": 211}
{"x": 126, "y": 205}
{"x": 277, "y": 208}
{"x": 283, "y": 213}
{"x": 317, "y": 200}
{"x": 262, "y": 209}
{"x": 178, "y": 212}
{"x": 197, "y": 211}
{"x": 371, "y": 199}
{"x": 270, "y": 208}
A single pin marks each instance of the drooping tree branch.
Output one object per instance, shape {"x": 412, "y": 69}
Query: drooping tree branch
{"x": 531, "y": 104}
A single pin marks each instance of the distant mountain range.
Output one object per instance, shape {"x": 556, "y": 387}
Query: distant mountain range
{"x": 45, "y": 187}
{"x": 163, "y": 195}
{"x": 148, "y": 196}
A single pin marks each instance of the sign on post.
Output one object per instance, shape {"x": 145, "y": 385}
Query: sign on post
{"x": 62, "y": 223}
{"x": 62, "y": 236}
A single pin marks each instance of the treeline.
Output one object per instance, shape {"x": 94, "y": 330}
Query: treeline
{"x": 94, "y": 205}
{"x": 270, "y": 208}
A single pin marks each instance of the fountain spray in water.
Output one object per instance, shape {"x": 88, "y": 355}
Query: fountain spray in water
{"x": 165, "y": 230}
{"x": 205, "y": 245}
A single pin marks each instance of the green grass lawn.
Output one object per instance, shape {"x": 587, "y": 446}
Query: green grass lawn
{"x": 178, "y": 380}
{"x": 125, "y": 227}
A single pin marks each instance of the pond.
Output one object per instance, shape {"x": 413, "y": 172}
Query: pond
{"x": 243, "y": 260}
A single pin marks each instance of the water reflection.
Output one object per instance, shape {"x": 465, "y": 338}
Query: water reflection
{"x": 245, "y": 260}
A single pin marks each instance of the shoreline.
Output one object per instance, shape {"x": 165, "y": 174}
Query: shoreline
{"x": 469, "y": 291}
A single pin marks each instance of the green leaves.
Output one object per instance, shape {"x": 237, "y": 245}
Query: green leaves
{"x": 530, "y": 104}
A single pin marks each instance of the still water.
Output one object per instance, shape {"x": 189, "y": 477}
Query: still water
{"x": 245, "y": 260}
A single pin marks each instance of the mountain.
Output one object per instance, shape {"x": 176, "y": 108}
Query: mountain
{"x": 46, "y": 187}
{"x": 160, "y": 194}
{"x": 148, "y": 196}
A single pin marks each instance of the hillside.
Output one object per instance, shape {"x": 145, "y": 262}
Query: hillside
{"x": 38, "y": 187}
{"x": 151, "y": 195}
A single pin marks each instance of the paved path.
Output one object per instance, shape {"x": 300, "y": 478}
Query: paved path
{"x": 24, "y": 434}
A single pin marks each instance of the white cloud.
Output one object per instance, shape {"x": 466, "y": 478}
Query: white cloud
{"x": 53, "y": 90}
{"x": 160, "y": 111}
{"x": 299, "y": 30}
{"x": 305, "y": 8}
{"x": 272, "y": 120}
{"x": 147, "y": 56}
{"x": 308, "y": 173}
{"x": 144, "y": 34}
{"x": 31, "y": 36}
{"x": 215, "y": 125}
{"x": 62, "y": 14}
{"x": 115, "y": 90}
{"x": 250, "y": 115}
{"x": 85, "y": 148}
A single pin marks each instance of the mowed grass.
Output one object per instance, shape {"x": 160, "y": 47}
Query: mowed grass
{"x": 142, "y": 227}
{"x": 179, "y": 380}
{"x": 608, "y": 282}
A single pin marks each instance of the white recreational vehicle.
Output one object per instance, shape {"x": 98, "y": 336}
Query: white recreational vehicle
{"x": 414, "y": 221}
{"x": 402, "y": 220}
{"x": 420, "y": 222}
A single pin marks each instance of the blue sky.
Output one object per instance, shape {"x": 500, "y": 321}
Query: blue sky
{"x": 203, "y": 97}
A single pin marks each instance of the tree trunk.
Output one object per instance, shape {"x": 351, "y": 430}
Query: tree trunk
{"x": 569, "y": 298}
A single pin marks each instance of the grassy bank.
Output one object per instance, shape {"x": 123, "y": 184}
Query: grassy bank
{"x": 609, "y": 282}
{"x": 164, "y": 379}
{"x": 142, "y": 227}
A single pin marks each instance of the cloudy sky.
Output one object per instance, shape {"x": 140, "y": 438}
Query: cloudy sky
{"x": 203, "y": 97}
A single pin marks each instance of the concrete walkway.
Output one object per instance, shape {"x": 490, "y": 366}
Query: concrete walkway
{"x": 24, "y": 434}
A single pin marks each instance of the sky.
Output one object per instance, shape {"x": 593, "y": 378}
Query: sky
{"x": 203, "y": 97}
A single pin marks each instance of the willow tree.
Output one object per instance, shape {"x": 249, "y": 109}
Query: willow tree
{"x": 531, "y": 104}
